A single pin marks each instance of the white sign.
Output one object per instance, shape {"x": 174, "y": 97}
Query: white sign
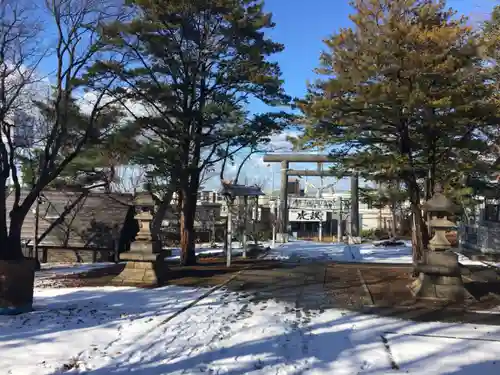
{"x": 320, "y": 204}
{"x": 306, "y": 215}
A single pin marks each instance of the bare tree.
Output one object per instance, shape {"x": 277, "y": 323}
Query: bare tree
{"x": 206, "y": 175}
{"x": 66, "y": 130}
{"x": 19, "y": 57}
{"x": 129, "y": 179}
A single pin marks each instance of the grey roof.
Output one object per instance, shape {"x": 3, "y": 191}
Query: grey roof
{"x": 93, "y": 221}
{"x": 240, "y": 190}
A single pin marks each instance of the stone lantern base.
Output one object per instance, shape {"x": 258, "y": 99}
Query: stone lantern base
{"x": 142, "y": 266}
{"x": 440, "y": 278}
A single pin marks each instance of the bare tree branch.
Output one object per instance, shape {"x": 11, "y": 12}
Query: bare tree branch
{"x": 63, "y": 130}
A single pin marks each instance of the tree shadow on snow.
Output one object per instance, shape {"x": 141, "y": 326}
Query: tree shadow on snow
{"x": 76, "y": 309}
{"x": 348, "y": 344}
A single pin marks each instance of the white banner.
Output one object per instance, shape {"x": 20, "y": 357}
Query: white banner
{"x": 295, "y": 215}
{"x": 316, "y": 204}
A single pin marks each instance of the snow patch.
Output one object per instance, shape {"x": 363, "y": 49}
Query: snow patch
{"x": 368, "y": 252}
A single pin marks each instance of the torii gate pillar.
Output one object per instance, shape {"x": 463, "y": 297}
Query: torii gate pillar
{"x": 283, "y": 227}
{"x": 285, "y": 159}
{"x": 355, "y": 205}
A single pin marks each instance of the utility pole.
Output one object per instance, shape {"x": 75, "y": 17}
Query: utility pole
{"x": 245, "y": 216}
{"x": 255, "y": 217}
{"x": 320, "y": 231}
{"x": 212, "y": 221}
{"x": 229, "y": 232}
{"x": 320, "y": 196}
{"x": 37, "y": 223}
{"x": 339, "y": 222}
{"x": 273, "y": 217}
{"x": 354, "y": 205}
{"x": 331, "y": 226}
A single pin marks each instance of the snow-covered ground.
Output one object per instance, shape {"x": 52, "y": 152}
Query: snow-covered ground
{"x": 120, "y": 330}
{"x": 367, "y": 252}
{"x": 208, "y": 249}
{"x": 292, "y": 251}
{"x": 175, "y": 330}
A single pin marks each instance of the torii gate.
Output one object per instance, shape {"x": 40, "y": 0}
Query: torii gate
{"x": 285, "y": 160}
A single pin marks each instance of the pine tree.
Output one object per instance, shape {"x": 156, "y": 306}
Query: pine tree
{"x": 404, "y": 96}
{"x": 194, "y": 66}
{"x": 491, "y": 34}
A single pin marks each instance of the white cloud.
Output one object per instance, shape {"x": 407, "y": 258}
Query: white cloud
{"x": 280, "y": 142}
{"x": 89, "y": 99}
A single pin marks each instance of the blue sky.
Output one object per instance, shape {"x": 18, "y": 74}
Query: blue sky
{"x": 301, "y": 26}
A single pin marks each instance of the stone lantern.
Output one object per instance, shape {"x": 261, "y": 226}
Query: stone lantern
{"x": 142, "y": 265}
{"x": 440, "y": 276}
{"x": 440, "y": 208}
{"x": 144, "y": 208}
{"x": 144, "y": 220}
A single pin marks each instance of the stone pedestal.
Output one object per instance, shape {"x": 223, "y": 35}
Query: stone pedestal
{"x": 440, "y": 278}
{"x": 143, "y": 267}
{"x": 141, "y": 247}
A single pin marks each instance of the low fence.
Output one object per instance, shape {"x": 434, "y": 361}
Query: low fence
{"x": 51, "y": 254}
{"x": 483, "y": 237}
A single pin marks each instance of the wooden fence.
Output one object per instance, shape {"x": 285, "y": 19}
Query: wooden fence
{"x": 55, "y": 254}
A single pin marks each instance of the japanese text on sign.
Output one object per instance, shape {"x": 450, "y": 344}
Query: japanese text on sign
{"x": 306, "y": 215}
{"x": 312, "y": 203}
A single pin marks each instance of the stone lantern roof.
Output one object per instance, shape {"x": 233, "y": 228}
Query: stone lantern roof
{"x": 439, "y": 203}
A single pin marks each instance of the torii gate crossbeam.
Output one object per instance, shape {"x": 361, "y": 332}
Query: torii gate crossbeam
{"x": 285, "y": 160}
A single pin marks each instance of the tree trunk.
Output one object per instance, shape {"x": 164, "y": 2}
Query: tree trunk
{"x": 394, "y": 219}
{"x": 188, "y": 254}
{"x": 420, "y": 235}
{"x": 189, "y": 190}
{"x": 158, "y": 218}
{"x": 14, "y": 239}
{"x": 4, "y": 249}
